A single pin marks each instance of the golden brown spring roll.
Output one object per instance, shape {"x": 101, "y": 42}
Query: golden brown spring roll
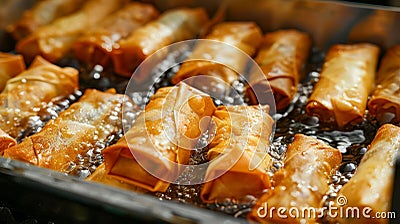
{"x": 10, "y": 66}
{"x": 301, "y": 183}
{"x": 372, "y": 185}
{"x": 54, "y": 40}
{"x": 95, "y": 46}
{"x": 43, "y": 13}
{"x": 163, "y": 133}
{"x": 385, "y": 100}
{"x": 281, "y": 57}
{"x": 242, "y": 135}
{"x": 172, "y": 26}
{"x": 6, "y": 141}
{"x": 24, "y": 94}
{"x": 347, "y": 78}
{"x": 73, "y": 132}
{"x": 100, "y": 176}
{"x": 243, "y": 35}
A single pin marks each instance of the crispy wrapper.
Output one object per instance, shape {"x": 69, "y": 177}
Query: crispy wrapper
{"x": 281, "y": 57}
{"x": 385, "y": 100}
{"x": 96, "y": 45}
{"x": 73, "y": 132}
{"x": 10, "y": 66}
{"x": 302, "y": 182}
{"x": 245, "y": 36}
{"x": 160, "y": 138}
{"x": 347, "y": 78}
{"x": 242, "y": 137}
{"x": 372, "y": 184}
{"x": 6, "y": 141}
{"x": 54, "y": 41}
{"x": 24, "y": 94}
{"x": 43, "y": 13}
{"x": 100, "y": 176}
{"x": 172, "y": 26}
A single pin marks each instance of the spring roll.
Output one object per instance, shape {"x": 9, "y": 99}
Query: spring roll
{"x": 43, "y": 13}
{"x": 385, "y": 100}
{"x": 100, "y": 176}
{"x": 301, "y": 183}
{"x": 24, "y": 95}
{"x": 372, "y": 184}
{"x": 73, "y": 132}
{"x": 161, "y": 137}
{"x": 10, "y": 66}
{"x": 55, "y": 40}
{"x": 96, "y": 45}
{"x": 172, "y": 26}
{"x": 243, "y": 137}
{"x": 245, "y": 36}
{"x": 281, "y": 57}
{"x": 347, "y": 78}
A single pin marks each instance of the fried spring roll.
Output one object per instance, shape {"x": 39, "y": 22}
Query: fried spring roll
{"x": 54, "y": 40}
{"x": 347, "y": 78}
{"x": 385, "y": 100}
{"x": 6, "y": 141}
{"x": 243, "y": 35}
{"x": 302, "y": 181}
{"x": 10, "y": 66}
{"x": 281, "y": 57}
{"x": 372, "y": 184}
{"x": 24, "y": 94}
{"x": 242, "y": 135}
{"x": 73, "y": 132}
{"x": 96, "y": 45}
{"x": 163, "y": 133}
{"x": 43, "y": 13}
{"x": 172, "y": 26}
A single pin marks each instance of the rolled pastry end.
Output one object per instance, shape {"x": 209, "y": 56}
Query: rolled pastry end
{"x": 384, "y": 109}
{"x": 126, "y": 60}
{"x": 90, "y": 51}
{"x": 253, "y": 180}
{"x": 260, "y": 92}
{"x": 342, "y": 114}
{"x": 121, "y": 165}
{"x": 100, "y": 176}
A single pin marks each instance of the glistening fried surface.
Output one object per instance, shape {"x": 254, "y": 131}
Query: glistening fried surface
{"x": 90, "y": 120}
{"x": 239, "y": 150}
{"x": 372, "y": 184}
{"x": 245, "y": 36}
{"x": 24, "y": 94}
{"x": 162, "y": 136}
{"x": 302, "y": 182}
{"x": 347, "y": 78}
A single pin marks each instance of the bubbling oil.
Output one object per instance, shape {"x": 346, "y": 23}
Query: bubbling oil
{"x": 352, "y": 141}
